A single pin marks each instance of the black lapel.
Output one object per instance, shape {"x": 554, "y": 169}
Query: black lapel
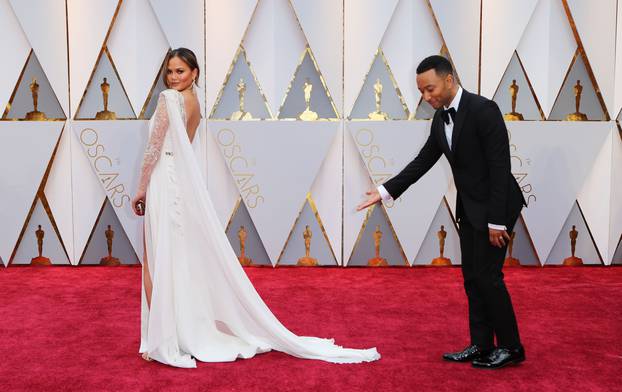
{"x": 460, "y": 115}
{"x": 439, "y": 127}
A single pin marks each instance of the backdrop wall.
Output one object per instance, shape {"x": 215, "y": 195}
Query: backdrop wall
{"x": 278, "y": 178}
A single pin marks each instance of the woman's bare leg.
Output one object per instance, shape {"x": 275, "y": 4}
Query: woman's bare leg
{"x": 147, "y": 283}
{"x": 146, "y": 275}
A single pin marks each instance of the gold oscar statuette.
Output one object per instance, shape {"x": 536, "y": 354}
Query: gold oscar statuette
{"x": 577, "y": 115}
{"x": 40, "y": 260}
{"x": 513, "y": 115}
{"x": 377, "y": 261}
{"x": 109, "y": 260}
{"x": 241, "y": 114}
{"x": 573, "y": 260}
{"x": 307, "y": 114}
{"x": 378, "y": 114}
{"x": 244, "y": 260}
{"x": 105, "y": 114}
{"x": 35, "y": 115}
{"x": 307, "y": 260}
{"x": 511, "y": 261}
{"x": 441, "y": 260}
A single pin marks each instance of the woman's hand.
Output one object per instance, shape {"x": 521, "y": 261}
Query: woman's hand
{"x": 138, "y": 203}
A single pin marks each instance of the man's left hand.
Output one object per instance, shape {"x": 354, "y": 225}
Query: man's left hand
{"x": 498, "y": 238}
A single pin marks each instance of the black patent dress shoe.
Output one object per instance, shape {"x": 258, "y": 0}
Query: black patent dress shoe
{"x": 468, "y": 354}
{"x": 500, "y": 357}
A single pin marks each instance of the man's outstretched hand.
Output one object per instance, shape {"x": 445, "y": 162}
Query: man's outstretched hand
{"x": 373, "y": 198}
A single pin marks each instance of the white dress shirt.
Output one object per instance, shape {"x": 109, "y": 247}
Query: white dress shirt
{"x": 449, "y": 129}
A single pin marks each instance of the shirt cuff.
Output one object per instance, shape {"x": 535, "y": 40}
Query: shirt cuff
{"x": 497, "y": 227}
{"x": 384, "y": 195}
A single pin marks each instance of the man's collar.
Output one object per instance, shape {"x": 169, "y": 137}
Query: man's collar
{"x": 456, "y": 101}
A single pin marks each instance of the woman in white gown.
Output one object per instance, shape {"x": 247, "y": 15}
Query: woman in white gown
{"x": 197, "y": 302}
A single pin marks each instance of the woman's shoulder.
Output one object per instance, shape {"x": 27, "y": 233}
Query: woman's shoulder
{"x": 169, "y": 92}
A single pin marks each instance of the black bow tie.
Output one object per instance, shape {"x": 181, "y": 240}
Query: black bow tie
{"x": 449, "y": 112}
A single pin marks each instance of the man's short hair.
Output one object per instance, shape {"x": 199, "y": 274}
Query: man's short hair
{"x": 440, "y": 64}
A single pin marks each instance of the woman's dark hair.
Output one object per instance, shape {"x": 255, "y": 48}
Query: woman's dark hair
{"x": 187, "y": 56}
{"x": 440, "y": 64}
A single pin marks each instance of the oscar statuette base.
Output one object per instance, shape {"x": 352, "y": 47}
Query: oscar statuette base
{"x": 572, "y": 261}
{"x": 377, "y": 262}
{"x": 441, "y": 262}
{"x": 307, "y": 262}
{"x": 378, "y": 116}
{"x": 40, "y": 260}
{"x": 576, "y": 117}
{"x": 36, "y": 115}
{"x": 308, "y": 115}
{"x": 110, "y": 261}
{"x": 105, "y": 115}
{"x": 511, "y": 262}
{"x": 513, "y": 116}
{"x": 245, "y": 261}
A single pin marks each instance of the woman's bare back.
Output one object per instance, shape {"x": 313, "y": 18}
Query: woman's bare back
{"x": 193, "y": 113}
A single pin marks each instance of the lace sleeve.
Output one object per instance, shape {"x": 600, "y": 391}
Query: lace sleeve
{"x": 154, "y": 147}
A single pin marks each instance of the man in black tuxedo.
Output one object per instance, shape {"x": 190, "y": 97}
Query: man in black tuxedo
{"x": 470, "y": 131}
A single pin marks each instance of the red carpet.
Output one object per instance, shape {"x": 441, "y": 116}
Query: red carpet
{"x": 64, "y": 328}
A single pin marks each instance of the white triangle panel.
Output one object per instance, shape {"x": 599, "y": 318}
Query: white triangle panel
{"x": 615, "y": 230}
{"x": 87, "y": 194}
{"x": 224, "y": 30}
{"x": 27, "y": 149}
{"x": 274, "y": 46}
{"x": 317, "y": 18}
{"x": 595, "y": 196}
{"x": 220, "y": 184}
{"x": 596, "y": 25}
{"x": 618, "y": 66}
{"x": 459, "y": 22}
{"x": 365, "y": 23}
{"x": 44, "y": 23}
{"x": 546, "y": 50}
{"x": 58, "y": 190}
{"x": 503, "y": 23}
{"x": 185, "y": 25}
{"x": 410, "y": 37}
{"x": 255, "y": 155}
{"x": 13, "y": 41}
{"x": 137, "y": 46}
{"x": 386, "y": 147}
{"x": 551, "y": 161}
{"x": 326, "y": 192}
{"x": 115, "y": 151}
{"x": 356, "y": 182}
{"x": 88, "y": 23}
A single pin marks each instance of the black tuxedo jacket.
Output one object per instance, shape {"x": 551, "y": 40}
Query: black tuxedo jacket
{"x": 480, "y": 161}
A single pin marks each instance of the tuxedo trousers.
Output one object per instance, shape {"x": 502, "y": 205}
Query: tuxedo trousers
{"x": 490, "y": 308}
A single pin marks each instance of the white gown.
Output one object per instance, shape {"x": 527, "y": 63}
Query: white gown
{"x": 203, "y": 306}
